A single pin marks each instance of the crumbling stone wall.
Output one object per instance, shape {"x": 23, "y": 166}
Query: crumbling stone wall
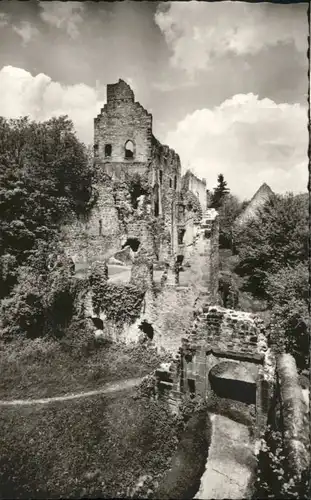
{"x": 192, "y": 183}
{"x": 167, "y": 180}
{"x": 294, "y": 415}
{"x": 221, "y": 336}
{"x": 120, "y": 120}
{"x": 137, "y": 183}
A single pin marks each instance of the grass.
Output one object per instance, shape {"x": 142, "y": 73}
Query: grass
{"x": 40, "y": 368}
{"x": 94, "y": 447}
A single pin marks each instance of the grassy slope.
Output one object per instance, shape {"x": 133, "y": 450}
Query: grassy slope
{"x": 37, "y": 369}
{"x": 98, "y": 446}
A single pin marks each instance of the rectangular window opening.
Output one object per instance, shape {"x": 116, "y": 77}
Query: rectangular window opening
{"x": 191, "y": 386}
{"x": 108, "y": 150}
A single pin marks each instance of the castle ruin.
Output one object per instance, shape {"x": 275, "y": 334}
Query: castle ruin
{"x": 155, "y": 223}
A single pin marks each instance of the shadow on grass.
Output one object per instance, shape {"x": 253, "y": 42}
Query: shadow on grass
{"x": 188, "y": 464}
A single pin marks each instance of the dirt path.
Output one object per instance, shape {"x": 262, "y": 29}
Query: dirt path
{"x": 230, "y": 463}
{"x": 108, "y": 388}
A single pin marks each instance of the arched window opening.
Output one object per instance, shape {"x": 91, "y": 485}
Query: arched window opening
{"x": 129, "y": 149}
{"x": 98, "y": 323}
{"x": 175, "y": 182}
{"x": 191, "y": 387}
{"x": 108, "y": 150}
{"x": 161, "y": 176}
{"x": 147, "y": 329}
{"x": 133, "y": 243}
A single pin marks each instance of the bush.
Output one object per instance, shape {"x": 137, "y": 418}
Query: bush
{"x": 288, "y": 298}
{"x": 273, "y": 478}
{"x": 41, "y": 303}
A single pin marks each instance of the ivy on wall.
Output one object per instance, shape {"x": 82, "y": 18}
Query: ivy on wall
{"x": 120, "y": 302}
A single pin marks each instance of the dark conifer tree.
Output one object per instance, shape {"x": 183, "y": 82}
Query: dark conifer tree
{"x": 220, "y": 192}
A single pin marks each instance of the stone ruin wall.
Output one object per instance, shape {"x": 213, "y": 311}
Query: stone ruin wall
{"x": 217, "y": 334}
{"x": 191, "y": 182}
{"x": 113, "y": 219}
{"x": 221, "y": 335}
{"x": 169, "y": 307}
{"x": 295, "y": 416}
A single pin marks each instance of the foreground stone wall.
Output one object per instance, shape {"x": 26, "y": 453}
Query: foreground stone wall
{"x": 294, "y": 415}
{"x": 226, "y": 355}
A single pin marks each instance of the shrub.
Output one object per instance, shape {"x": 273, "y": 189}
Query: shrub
{"x": 273, "y": 477}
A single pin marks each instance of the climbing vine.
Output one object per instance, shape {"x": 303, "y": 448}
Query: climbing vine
{"x": 273, "y": 478}
{"x": 121, "y": 303}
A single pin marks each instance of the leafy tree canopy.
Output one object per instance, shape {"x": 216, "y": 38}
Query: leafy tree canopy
{"x": 45, "y": 174}
{"x": 276, "y": 239}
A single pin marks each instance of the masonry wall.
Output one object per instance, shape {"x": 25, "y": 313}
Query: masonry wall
{"x": 197, "y": 186}
{"x": 114, "y": 218}
{"x": 294, "y": 415}
{"x": 167, "y": 181}
{"x": 99, "y": 235}
{"x": 120, "y": 120}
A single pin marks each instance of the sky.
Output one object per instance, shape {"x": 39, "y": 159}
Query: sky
{"x": 226, "y": 82}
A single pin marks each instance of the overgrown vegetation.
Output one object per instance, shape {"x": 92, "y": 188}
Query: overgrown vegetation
{"x": 77, "y": 362}
{"x": 121, "y": 303}
{"x": 228, "y": 207}
{"x": 273, "y": 259}
{"x": 274, "y": 480}
{"x": 43, "y": 300}
{"x": 98, "y": 447}
{"x": 45, "y": 173}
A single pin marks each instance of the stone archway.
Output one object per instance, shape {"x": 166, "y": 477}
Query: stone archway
{"x": 234, "y": 380}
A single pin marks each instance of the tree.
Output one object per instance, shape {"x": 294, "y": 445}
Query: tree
{"x": 287, "y": 293}
{"x": 220, "y": 192}
{"x": 228, "y": 212}
{"x": 277, "y": 238}
{"x": 45, "y": 174}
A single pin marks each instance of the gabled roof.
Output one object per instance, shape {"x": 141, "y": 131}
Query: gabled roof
{"x": 261, "y": 196}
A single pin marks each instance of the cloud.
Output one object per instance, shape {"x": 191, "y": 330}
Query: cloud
{"x": 199, "y": 32}
{"x": 26, "y": 31}
{"x": 4, "y": 19}
{"x": 63, "y": 15}
{"x": 41, "y": 98}
{"x": 249, "y": 140}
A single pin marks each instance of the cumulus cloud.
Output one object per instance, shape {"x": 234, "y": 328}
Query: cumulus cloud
{"x": 63, "y": 15}
{"x": 40, "y": 98}
{"x": 199, "y": 32}
{"x": 249, "y": 140}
